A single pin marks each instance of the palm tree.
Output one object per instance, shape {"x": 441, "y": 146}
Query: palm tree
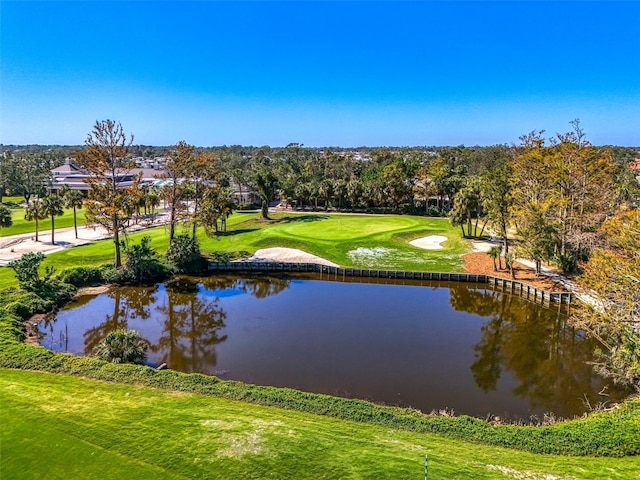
{"x": 494, "y": 253}
{"x": 5, "y": 217}
{"x": 122, "y": 346}
{"x": 52, "y": 207}
{"x": 35, "y": 211}
{"x": 73, "y": 199}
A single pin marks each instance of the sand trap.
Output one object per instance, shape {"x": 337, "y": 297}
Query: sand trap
{"x": 432, "y": 242}
{"x": 290, "y": 255}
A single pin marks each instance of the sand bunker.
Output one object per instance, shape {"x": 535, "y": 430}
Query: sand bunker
{"x": 289, "y": 255}
{"x": 432, "y": 242}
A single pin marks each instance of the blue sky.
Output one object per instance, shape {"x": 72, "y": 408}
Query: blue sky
{"x": 319, "y": 73}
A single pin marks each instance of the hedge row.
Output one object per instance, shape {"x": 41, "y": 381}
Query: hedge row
{"x": 614, "y": 433}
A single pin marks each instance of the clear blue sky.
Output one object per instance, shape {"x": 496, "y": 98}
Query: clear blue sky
{"x": 319, "y": 73}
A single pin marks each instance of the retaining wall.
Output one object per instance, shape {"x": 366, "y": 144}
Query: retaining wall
{"x": 515, "y": 287}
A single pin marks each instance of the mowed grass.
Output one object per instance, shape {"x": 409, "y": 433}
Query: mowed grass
{"x": 20, "y": 225}
{"x": 56, "y": 426}
{"x": 363, "y": 241}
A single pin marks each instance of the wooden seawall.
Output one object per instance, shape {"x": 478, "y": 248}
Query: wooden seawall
{"x": 515, "y": 287}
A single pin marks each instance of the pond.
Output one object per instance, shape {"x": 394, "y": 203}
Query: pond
{"x": 463, "y": 347}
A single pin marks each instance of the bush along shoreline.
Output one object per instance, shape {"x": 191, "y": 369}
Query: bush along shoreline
{"x": 612, "y": 433}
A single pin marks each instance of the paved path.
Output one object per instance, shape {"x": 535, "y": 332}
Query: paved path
{"x": 14, "y": 246}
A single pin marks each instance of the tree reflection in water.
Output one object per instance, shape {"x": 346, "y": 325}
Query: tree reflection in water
{"x": 549, "y": 360}
{"x": 191, "y": 328}
{"x": 129, "y": 304}
{"x": 259, "y": 287}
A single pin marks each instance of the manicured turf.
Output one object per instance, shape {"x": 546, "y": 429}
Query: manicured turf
{"x": 56, "y": 426}
{"x": 20, "y": 225}
{"x": 365, "y": 241}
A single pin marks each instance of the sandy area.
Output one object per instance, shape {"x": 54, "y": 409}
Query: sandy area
{"x": 432, "y": 242}
{"x": 291, "y": 255}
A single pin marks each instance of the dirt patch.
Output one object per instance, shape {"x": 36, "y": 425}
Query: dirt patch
{"x": 33, "y": 334}
{"x": 93, "y": 290}
{"x": 482, "y": 264}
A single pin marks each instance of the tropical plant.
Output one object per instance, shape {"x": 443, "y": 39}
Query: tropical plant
{"x": 5, "y": 217}
{"x": 184, "y": 253}
{"x": 123, "y": 346}
{"x": 34, "y": 210}
{"x": 73, "y": 199}
{"x": 494, "y": 252}
{"x": 52, "y": 207}
{"x": 142, "y": 260}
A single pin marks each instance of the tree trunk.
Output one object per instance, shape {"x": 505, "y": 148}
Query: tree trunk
{"x": 265, "y": 210}
{"x": 53, "y": 230}
{"x": 75, "y": 221}
{"x": 117, "y": 263}
{"x": 36, "y": 229}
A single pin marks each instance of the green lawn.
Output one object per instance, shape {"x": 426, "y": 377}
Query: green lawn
{"x": 57, "y": 426}
{"x": 365, "y": 241}
{"x": 20, "y": 225}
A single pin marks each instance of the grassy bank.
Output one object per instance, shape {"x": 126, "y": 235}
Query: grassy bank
{"x": 57, "y": 426}
{"x": 20, "y": 225}
{"x": 68, "y": 416}
{"x": 366, "y": 241}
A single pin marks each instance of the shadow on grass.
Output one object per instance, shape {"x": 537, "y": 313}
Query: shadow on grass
{"x": 300, "y": 218}
{"x": 232, "y": 233}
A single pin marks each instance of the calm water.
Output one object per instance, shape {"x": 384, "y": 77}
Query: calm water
{"x": 423, "y": 345}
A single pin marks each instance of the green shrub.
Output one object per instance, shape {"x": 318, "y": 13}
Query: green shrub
{"x": 82, "y": 276}
{"x": 142, "y": 261}
{"x": 122, "y": 346}
{"x": 184, "y": 253}
{"x": 433, "y": 211}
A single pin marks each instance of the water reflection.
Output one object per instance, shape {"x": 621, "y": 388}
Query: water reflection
{"x": 133, "y": 303}
{"x": 191, "y": 328}
{"x": 461, "y": 346}
{"x": 548, "y": 358}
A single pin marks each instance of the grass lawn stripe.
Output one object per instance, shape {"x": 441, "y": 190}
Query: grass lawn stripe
{"x": 197, "y": 436}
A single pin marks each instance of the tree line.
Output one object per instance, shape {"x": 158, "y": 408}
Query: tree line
{"x": 557, "y": 199}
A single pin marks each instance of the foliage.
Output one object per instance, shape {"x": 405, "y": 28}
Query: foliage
{"x": 81, "y": 276}
{"x": 175, "y": 190}
{"x": 495, "y": 252}
{"x": 34, "y": 210}
{"x": 614, "y": 315}
{"x": 75, "y": 200}
{"x": 5, "y": 217}
{"x": 184, "y": 253}
{"x": 433, "y": 211}
{"x": 26, "y": 173}
{"x": 263, "y": 179}
{"x": 122, "y": 346}
{"x": 562, "y": 192}
{"x": 142, "y": 261}
{"x": 110, "y": 200}
{"x": 27, "y": 272}
{"x": 52, "y": 207}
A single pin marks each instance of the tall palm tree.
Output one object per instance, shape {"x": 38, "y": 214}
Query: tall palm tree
{"x": 5, "y": 217}
{"x": 73, "y": 199}
{"x": 52, "y": 207}
{"x": 35, "y": 211}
